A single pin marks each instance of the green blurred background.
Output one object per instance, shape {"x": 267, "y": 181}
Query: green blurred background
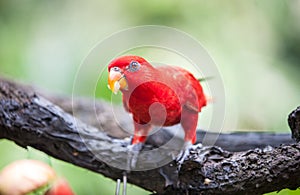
{"x": 256, "y": 45}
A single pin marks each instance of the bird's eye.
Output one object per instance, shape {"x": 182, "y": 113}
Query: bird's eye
{"x": 134, "y": 66}
{"x": 117, "y": 69}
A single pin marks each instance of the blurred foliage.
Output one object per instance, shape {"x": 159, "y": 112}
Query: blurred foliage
{"x": 255, "y": 44}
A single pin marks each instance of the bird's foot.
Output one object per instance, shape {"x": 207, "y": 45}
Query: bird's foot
{"x": 123, "y": 142}
{"x": 184, "y": 152}
{"x": 133, "y": 153}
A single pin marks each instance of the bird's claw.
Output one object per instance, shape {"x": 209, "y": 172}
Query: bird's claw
{"x": 184, "y": 153}
{"x": 182, "y": 156}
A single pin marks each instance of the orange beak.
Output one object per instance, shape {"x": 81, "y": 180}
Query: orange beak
{"x": 116, "y": 81}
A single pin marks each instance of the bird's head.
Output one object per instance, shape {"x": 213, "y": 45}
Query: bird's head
{"x": 124, "y": 70}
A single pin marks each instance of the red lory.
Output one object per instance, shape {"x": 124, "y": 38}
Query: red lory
{"x": 157, "y": 96}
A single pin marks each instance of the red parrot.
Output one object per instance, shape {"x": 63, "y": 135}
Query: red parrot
{"x": 161, "y": 96}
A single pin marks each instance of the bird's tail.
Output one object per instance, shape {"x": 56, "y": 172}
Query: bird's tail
{"x": 205, "y": 79}
{"x": 209, "y": 99}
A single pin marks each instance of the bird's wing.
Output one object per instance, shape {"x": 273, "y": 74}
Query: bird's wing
{"x": 186, "y": 85}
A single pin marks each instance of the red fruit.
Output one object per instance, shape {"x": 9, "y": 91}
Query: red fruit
{"x": 60, "y": 187}
{"x": 24, "y": 176}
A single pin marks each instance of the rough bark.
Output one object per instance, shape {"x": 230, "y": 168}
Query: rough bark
{"x": 30, "y": 120}
{"x": 85, "y": 109}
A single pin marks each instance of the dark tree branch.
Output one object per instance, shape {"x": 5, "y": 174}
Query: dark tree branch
{"x": 85, "y": 109}
{"x": 30, "y": 120}
{"x": 294, "y": 123}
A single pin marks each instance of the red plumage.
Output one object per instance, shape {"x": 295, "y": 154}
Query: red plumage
{"x": 162, "y": 96}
